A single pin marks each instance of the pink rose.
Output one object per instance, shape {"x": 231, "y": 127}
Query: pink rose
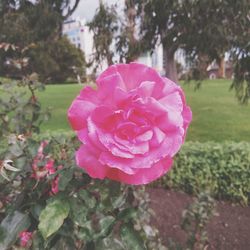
{"x": 131, "y": 126}
{"x": 25, "y": 238}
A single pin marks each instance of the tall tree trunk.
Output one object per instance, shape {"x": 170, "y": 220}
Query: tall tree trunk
{"x": 170, "y": 64}
{"x": 222, "y": 70}
{"x": 109, "y": 58}
{"x": 130, "y": 13}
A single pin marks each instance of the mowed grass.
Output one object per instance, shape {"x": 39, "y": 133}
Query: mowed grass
{"x": 217, "y": 116}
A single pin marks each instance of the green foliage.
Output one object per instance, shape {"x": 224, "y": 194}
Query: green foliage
{"x": 131, "y": 238}
{"x": 222, "y": 169}
{"x": 84, "y": 213}
{"x": 36, "y": 33}
{"x": 241, "y": 81}
{"x": 205, "y": 30}
{"x": 12, "y": 225}
{"x": 114, "y": 35}
{"x": 19, "y": 112}
{"x": 52, "y": 217}
{"x": 58, "y": 202}
{"x": 194, "y": 221}
{"x": 43, "y": 19}
{"x": 104, "y": 25}
{"x": 57, "y": 60}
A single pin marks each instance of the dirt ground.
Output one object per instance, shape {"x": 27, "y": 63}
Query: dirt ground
{"x": 229, "y": 230}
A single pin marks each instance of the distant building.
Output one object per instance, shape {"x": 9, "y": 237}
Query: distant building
{"x": 154, "y": 60}
{"x": 213, "y": 70}
{"x": 78, "y": 33}
{"x": 74, "y": 30}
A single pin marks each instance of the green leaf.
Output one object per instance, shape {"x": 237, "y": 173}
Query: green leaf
{"x": 2, "y": 233}
{"x": 36, "y": 211}
{"x": 21, "y": 163}
{"x": 52, "y": 217}
{"x": 16, "y": 150}
{"x": 37, "y": 241}
{"x": 12, "y": 225}
{"x": 127, "y": 214}
{"x": 79, "y": 212}
{"x": 131, "y": 238}
{"x": 65, "y": 178}
{"x": 110, "y": 243}
{"x": 89, "y": 200}
{"x": 106, "y": 225}
{"x": 86, "y": 233}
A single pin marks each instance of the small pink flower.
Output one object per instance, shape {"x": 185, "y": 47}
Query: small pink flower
{"x": 50, "y": 167}
{"x": 39, "y": 172}
{"x": 54, "y": 185}
{"x": 41, "y": 148}
{"x": 25, "y": 237}
{"x": 131, "y": 126}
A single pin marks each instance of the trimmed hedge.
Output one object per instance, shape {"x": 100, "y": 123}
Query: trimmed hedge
{"x": 221, "y": 168}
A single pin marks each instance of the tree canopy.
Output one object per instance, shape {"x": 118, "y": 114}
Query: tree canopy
{"x": 201, "y": 28}
{"x": 204, "y": 30}
{"x": 35, "y": 28}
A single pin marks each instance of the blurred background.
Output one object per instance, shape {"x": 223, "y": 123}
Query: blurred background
{"x": 63, "y": 45}
{"x": 199, "y": 44}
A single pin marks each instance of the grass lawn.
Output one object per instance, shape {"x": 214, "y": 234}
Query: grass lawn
{"x": 216, "y": 114}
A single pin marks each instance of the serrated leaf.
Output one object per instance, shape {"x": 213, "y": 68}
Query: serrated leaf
{"x": 131, "y": 238}
{"x": 52, "y": 217}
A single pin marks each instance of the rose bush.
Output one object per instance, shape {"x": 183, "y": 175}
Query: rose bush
{"x": 131, "y": 126}
{"x": 46, "y": 202}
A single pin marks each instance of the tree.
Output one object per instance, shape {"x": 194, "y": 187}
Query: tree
{"x": 127, "y": 44}
{"x": 37, "y": 25}
{"x": 115, "y": 37}
{"x": 45, "y": 17}
{"x": 62, "y": 8}
{"x": 104, "y": 25}
{"x": 200, "y": 28}
{"x": 56, "y": 61}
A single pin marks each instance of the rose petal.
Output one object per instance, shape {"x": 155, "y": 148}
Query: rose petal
{"x": 142, "y": 176}
{"x": 173, "y": 102}
{"x": 145, "y": 136}
{"x": 89, "y": 94}
{"x": 87, "y": 159}
{"x": 167, "y": 148}
{"x": 78, "y": 113}
{"x": 146, "y": 89}
{"x": 158, "y": 137}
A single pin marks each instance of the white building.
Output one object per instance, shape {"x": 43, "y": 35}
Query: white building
{"x": 79, "y": 34}
{"x": 154, "y": 60}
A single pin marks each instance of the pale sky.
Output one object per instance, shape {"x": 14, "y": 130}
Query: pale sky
{"x": 86, "y": 8}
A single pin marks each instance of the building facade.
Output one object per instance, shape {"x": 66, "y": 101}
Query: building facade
{"x": 79, "y": 34}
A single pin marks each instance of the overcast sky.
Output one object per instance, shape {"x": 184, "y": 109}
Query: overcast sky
{"x": 86, "y": 8}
